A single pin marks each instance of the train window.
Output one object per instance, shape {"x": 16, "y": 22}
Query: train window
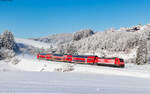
{"x": 43, "y": 54}
{"x": 80, "y": 56}
{"x": 90, "y": 59}
{"x": 57, "y": 55}
{"x": 79, "y": 60}
{"x": 121, "y": 60}
{"x": 57, "y": 58}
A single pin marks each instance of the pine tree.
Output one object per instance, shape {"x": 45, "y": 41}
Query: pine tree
{"x": 8, "y": 41}
{"x": 0, "y": 42}
{"x": 142, "y": 53}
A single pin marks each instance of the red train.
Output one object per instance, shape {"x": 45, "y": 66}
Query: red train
{"x": 85, "y": 59}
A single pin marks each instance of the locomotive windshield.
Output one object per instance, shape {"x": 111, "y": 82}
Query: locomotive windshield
{"x": 121, "y": 60}
{"x": 43, "y": 54}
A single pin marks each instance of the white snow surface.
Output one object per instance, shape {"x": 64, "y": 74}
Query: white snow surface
{"x": 33, "y": 76}
{"x": 70, "y": 83}
{"x": 33, "y": 43}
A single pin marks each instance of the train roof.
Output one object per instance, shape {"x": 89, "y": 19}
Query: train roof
{"x": 110, "y": 58}
{"x": 57, "y": 54}
{"x": 83, "y": 56}
{"x": 44, "y": 53}
{"x": 107, "y": 57}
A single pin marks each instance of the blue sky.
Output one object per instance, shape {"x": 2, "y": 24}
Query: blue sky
{"x": 35, "y": 18}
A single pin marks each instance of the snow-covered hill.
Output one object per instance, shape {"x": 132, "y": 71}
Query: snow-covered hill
{"x": 33, "y": 43}
{"x": 55, "y": 39}
{"x": 123, "y": 40}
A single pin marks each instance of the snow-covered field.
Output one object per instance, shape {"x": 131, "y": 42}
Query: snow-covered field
{"x": 70, "y": 83}
{"x": 32, "y": 76}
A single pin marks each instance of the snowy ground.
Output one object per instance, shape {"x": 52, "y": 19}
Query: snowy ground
{"x": 32, "y": 76}
{"x": 70, "y": 83}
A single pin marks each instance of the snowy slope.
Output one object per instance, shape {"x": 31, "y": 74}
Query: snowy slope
{"x": 55, "y": 39}
{"x": 32, "y": 43}
{"x": 5, "y": 67}
{"x": 70, "y": 83}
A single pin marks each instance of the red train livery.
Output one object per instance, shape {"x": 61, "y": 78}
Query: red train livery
{"x": 85, "y": 59}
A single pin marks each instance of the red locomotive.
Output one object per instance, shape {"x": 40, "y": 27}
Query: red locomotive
{"x": 85, "y": 59}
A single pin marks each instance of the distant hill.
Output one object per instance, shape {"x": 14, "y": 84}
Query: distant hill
{"x": 123, "y": 42}
{"x": 55, "y": 39}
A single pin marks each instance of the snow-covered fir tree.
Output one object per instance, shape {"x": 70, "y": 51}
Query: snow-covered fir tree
{"x": 7, "y": 45}
{"x": 141, "y": 57}
{"x": 8, "y": 41}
